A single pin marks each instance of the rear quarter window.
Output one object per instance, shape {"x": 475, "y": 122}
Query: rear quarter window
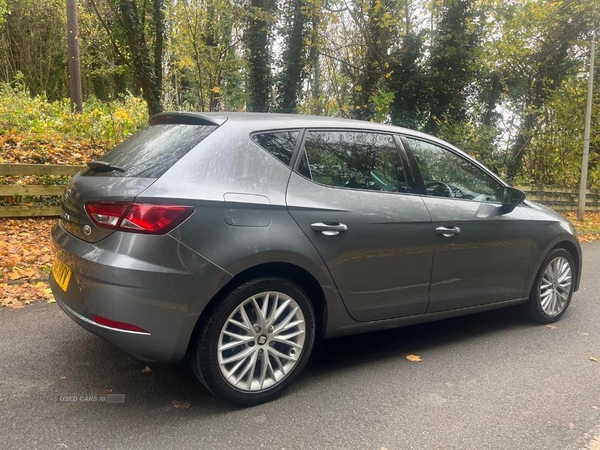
{"x": 153, "y": 151}
{"x": 280, "y": 144}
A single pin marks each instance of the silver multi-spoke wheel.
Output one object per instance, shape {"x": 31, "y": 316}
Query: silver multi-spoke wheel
{"x": 555, "y": 286}
{"x": 261, "y": 341}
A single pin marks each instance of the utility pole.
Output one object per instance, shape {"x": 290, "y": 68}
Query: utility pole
{"x": 586, "y": 133}
{"x": 74, "y": 64}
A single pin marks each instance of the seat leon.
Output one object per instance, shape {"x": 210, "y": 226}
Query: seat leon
{"x": 240, "y": 240}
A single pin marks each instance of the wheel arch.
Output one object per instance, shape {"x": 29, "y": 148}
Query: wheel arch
{"x": 575, "y": 254}
{"x": 568, "y": 243}
{"x": 299, "y": 275}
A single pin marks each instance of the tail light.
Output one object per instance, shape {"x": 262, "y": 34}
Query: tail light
{"x": 145, "y": 218}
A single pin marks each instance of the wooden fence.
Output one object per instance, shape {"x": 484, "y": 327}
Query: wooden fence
{"x": 29, "y": 190}
{"x": 559, "y": 199}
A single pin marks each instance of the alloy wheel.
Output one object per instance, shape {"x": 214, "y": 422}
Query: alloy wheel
{"x": 555, "y": 286}
{"x": 261, "y": 341}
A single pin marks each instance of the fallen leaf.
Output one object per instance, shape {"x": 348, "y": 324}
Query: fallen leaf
{"x": 107, "y": 391}
{"x": 552, "y": 327}
{"x": 16, "y": 305}
{"x": 146, "y": 370}
{"x": 15, "y": 275}
{"x": 181, "y": 405}
{"x": 63, "y": 378}
{"x": 593, "y": 359}
{"x": 414, "y": 358}
{"x": 51, "y": 300}
{"x": 594, "y": 407}
{"x": 1, "y": 400}
{"x": 585, "y": 334}
{"x": 572, "y": 426}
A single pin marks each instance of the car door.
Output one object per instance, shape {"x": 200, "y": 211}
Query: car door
{"x": 481, "y": 256}
{"x": 351, "y": 197}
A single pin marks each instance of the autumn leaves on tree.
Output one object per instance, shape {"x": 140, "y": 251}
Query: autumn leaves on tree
{"x": 501, "y": 79}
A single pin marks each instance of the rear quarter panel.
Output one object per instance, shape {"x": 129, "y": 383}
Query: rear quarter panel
{"x": 241, "y": 219}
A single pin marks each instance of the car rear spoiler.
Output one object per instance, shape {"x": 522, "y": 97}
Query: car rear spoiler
{"x": 187, "y": 118}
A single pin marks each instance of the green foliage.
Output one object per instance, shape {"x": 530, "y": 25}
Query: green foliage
{"x": 32, "y": 42}
{"x": 500, "y": 79}
{"x": 102, "y": 124}
{"x": 294, "y": 56}
{"x": 257, "y": 40}
{"x": 136, "y": 30}
{"x": 105, "y": 72}
{"x": 452, "y": 63}
{"x": 206, "y": 68}
{"x": 3, "y": 11}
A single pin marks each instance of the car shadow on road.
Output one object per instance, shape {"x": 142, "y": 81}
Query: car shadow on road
{"x": 174, "y": 387}
{"x": 353, "y": 351}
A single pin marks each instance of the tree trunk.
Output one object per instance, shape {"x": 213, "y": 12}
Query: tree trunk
{"x": 290, "y": 86}
{"x": 259, "y": 57}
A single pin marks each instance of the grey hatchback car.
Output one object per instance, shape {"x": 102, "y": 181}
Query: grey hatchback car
{"x": 240, "y": 240}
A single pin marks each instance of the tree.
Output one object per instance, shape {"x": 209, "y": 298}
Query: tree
{"x": 294, "y": 58}
{"x": 257, "y": 40}
{"x": 451, "y": 64}
{"x": 407, "y": 82}
{"x": 377, "y": 21}
{"x": 205, "y": 67}
{"x": 32, "y": 45}
{"x": 535, "y": 50}
{"x": 138, "y": 33}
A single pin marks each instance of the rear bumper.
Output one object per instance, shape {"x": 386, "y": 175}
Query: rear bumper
{"x": 152, "y": 282}
{"x": 134, "y": 343}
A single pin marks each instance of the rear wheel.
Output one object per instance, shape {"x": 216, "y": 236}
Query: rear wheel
{"x": 255, "y": 342}
{"x": 553, "y": 288}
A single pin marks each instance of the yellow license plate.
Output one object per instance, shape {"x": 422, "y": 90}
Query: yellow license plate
{"x": 61, "y": 273}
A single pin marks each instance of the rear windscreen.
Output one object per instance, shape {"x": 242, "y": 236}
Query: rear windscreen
{"x": 151, "y": 152}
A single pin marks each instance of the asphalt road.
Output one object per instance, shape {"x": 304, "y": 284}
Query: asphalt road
{"x": 488, "y": 381}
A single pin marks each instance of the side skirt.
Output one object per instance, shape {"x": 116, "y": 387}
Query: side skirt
{"x": 378, "y": 325}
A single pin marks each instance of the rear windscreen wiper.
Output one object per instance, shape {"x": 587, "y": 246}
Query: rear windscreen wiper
{"x": 103, "y": 166}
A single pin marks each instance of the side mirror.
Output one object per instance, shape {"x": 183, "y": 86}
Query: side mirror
{"x": 511, "y": 198}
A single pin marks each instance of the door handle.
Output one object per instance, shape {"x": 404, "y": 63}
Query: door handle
{"x": 329, "y": 229}
{"x": 447, "y": 231}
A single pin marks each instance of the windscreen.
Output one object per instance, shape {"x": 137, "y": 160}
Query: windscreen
{"x": 151, "y": 152}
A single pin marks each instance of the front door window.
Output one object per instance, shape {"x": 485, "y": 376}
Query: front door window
{"x": 447, "y": 174}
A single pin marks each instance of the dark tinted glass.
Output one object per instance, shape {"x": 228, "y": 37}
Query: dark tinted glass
{"x": 280, "y": 144}
{"x": 151, "y": 152}
{"x": 303, "y": 168}
{"x": 448, "y": 175}
{"x": 356, "y": 160}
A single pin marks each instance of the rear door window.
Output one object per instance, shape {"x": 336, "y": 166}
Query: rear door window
{"x": 354, "y": 160}
{"x": 153, "y": 151}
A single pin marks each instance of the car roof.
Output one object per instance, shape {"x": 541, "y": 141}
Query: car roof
{"x": 279, "y": 120}
{"x": 276, "y": 120}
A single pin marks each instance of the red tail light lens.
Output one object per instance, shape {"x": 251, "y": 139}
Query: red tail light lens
{"x": 138, "y": 217}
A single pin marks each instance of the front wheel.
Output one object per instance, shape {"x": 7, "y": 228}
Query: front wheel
{"x": 255, "y": 341}
{"x": 553, "y": 288}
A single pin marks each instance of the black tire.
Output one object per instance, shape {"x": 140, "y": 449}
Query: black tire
{"x": 534, "y": 306}
{"x": 203, "y": 355}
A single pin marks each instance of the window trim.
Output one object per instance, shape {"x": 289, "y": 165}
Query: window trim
{"x": 395, "y": 138}
{"x": 420, "y": 184}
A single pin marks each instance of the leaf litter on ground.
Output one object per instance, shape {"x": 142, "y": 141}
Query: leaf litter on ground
{"x": 25, "y": 261}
